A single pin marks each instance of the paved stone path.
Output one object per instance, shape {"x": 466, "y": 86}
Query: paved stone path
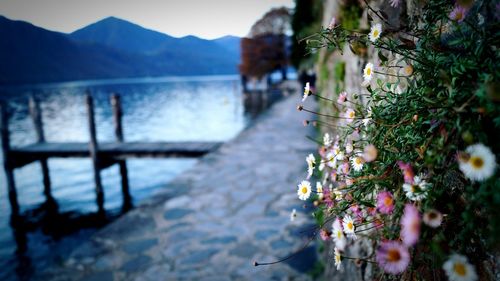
{"x": 213, "y": 221}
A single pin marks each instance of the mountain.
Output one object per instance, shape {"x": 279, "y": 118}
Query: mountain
{"x": 122, "y": 35}
{"x": 230, "y": 43}
{"x": 32, "y": 54}
{"x": 110, "y": 48}
{"x": 129, "y": 37}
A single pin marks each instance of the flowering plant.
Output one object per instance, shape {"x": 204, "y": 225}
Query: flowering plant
{"x": 412, "y": 166}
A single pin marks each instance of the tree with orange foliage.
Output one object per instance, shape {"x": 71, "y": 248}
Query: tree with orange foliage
{"x": 265, "y": 49}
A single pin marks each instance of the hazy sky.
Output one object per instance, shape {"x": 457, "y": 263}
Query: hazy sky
{"x": 204, "y": 18}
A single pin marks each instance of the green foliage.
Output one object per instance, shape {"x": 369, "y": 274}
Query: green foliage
{"x": 434, "y": 94}
{"x": 350, "y": 14}
{"x": 306, "y": 19}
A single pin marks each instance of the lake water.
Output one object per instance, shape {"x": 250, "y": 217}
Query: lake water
{"x": 206, "y": 108}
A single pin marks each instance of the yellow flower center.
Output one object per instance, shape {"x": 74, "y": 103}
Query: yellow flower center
{"x": 349, "y": 225}
{"x": 459, "y": 268}
{"x": 339, "y": 234}
{"x": 393, "y": 255}
{"x": 357, "y": 160}
{"x": 304, "y": 190}
{"x": 408, "y": 70}
{"x": 368, "y": 71}
{"x": 476, "y": 162}
{"x": 388, "y": 201}
{"x": 351, "y": 114}
{"x": 375, "y": 33}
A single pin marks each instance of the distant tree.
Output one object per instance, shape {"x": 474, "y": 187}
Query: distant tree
{"x": 265, "y": 49}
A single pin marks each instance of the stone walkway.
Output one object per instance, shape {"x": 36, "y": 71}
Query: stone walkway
{"x": 214, "y": 221}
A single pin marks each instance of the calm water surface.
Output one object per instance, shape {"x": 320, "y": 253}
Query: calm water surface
{"x": 206, "y": 108}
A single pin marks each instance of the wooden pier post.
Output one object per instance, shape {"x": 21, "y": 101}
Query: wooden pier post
{"x": 117, "y": 116}
{"x": 7, "y": 164}
{"x": 94, "y": 151}
{"x": 36, "y": 116}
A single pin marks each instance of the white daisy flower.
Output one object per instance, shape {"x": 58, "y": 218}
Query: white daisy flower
{"x": 375, "y": 32}
{"x": 433, "y": 218}
{"x": 348, "y": 225}
{"x": 304, "y": 190}
{"x": 338, "y": 259}
{"x": 479, "y": 162}
{"x": 321, "y": 166}
{"x": 338, "y": 194}
{"x": 368, "y": 72}
{"x": 349, "y": 147}
{"x": 327, "y": 140}
{"x": 339, "y": 155}
{"x": 319, "y": 190}
{"x": 293, "y": 215}
{"x": 350, "y": 115}
{"x": 311, "y": 163}
{"x": 338, "y": 235}
{"x": 368, "y": 117}
{"x": 407, "y": 70}
{"x": 331, "y": 159}
{"x": 357, "y": 163}
{"x": 307, "y": 91}
{"x": 418, "y": 190}
{"x": 458, "y": 268}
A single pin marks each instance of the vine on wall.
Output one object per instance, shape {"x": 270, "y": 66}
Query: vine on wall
{"x": 410, "y": 162}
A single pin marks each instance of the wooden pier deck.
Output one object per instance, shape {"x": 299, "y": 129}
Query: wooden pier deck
{"x": 103, "y": 155}
{"x": 111, "y": 150}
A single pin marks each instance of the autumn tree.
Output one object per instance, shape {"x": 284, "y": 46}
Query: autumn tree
{"x": 265, "y": 48}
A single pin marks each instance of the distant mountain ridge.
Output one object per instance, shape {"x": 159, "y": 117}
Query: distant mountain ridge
{"x": 110, "y": 48}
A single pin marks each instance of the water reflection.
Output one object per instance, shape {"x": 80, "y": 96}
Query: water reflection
{"x": 47, "y": 228}
{"x": 200, "y": 109}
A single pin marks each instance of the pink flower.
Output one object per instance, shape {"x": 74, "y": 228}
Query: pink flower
{"x": 349, "y": 181}
{"x": 407, "y": 171}
{"x": 333, "y": 176}
{"x": 324, "y": 234}
{"x": 385, "y": 202}
{"x": 345, "y": 168}
{"x": 349, "y": 115}
{"x": 378, "y": 223}
{"x": 328, "y": 198}
{"x": 332, "y": 23}
{"x": 410, "y": 225}
{"x": 342, "y": 97}
{"x": 393, "y": 257}
{"x": 372, "y": 211}
{"x": 458, "y": 13}
{"x": 370, "y": 153}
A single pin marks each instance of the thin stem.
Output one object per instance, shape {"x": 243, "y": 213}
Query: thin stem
{"x": 329, "y": 116}
{"x": 360, "y": 259}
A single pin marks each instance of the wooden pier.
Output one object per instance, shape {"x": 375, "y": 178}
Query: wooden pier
{"x": 103, "y": 155}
